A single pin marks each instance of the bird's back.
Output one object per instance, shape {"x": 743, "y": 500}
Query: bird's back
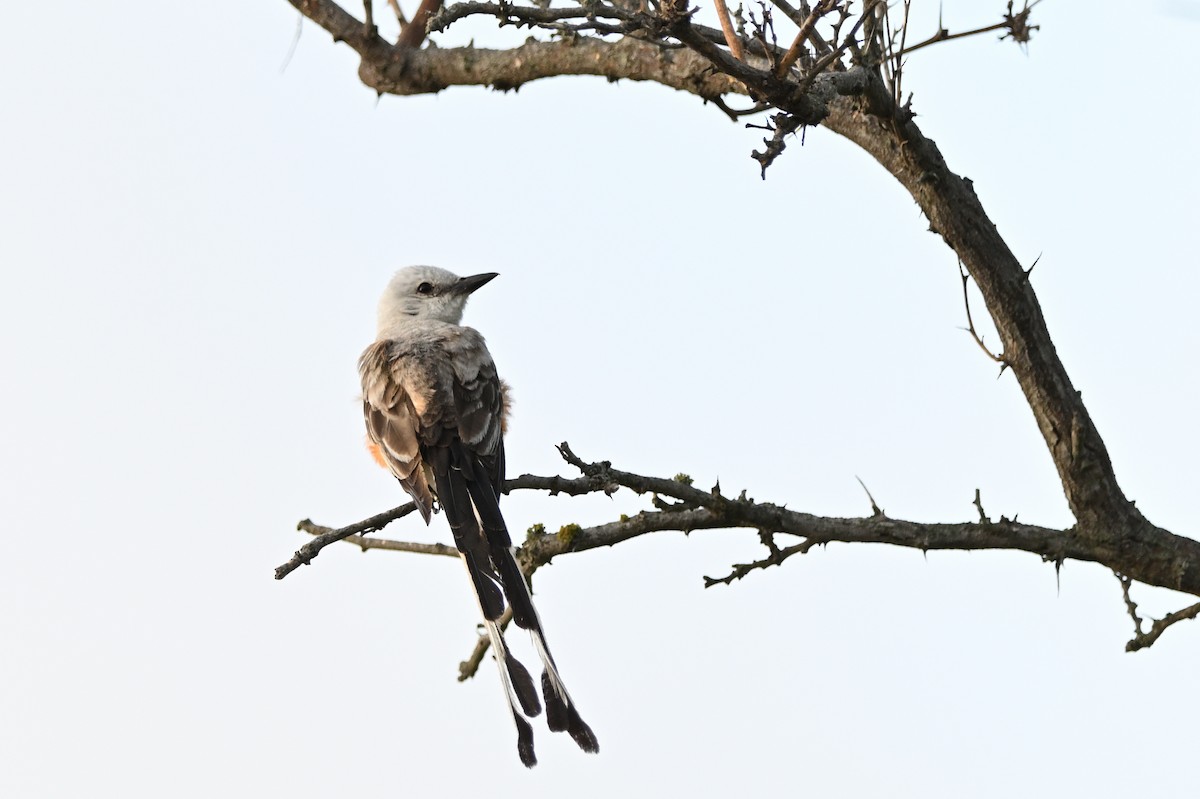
{"x": 425, "y": 384}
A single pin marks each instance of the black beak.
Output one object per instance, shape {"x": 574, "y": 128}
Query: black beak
{"x": 467, "y": 285}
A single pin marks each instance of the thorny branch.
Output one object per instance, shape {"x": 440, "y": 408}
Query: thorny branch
{"x": 676, "y": 505}
{"x": 841, "y": 86}
{"x": 1015, "y": 26}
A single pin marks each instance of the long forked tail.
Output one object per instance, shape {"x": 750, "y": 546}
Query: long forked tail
{"x": 561, "y": 711}
{"x": 519, "y": 689}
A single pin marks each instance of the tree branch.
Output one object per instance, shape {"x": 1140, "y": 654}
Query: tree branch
{"x": 1103, "y": 512}
{"x": 1017, "y": 27}
{"x": 1142, "y": 639}
{"x": 822, "y": 8}
{"x": 414, "y": 32}
{"x": 731, "y": 38}
{"x": 326, "y": 536}
{"x": 970, "y": 328}
{"x": 697, "y": 509}
{"x": 852, "y": 101}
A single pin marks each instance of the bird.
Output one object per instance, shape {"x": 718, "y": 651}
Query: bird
{"x": 436, "y": 413}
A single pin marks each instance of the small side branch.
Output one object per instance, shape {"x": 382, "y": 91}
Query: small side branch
{"x": 775, "y": 558}
{"x": 970, "y": 328}
{"x": 822, "y": 8}
{"x": 978, "y": 503}
{"x": 400, "y": 18}
{"x": 326, "y": 536}
{"x": 1143, "y": 638}
{"x": 731, "y": 37}
{"x": 875, "y": 509}
{"x": 1015, "y": 26}
{"x": 414, "y": 33}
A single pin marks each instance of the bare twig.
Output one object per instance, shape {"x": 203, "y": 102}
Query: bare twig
{"x": 1016, "y": 25}
{"x": 306, "y": 553}
{"x": 822, "y": 8}
{"x": 875, "y": 509}
{"x": 731, "y": 37}
{"x": 775, "y": 558}
{"x": 414, "y": 33}
{"x": 400, "y": 18}
{"x": 898, "y": 58}
{"x": 978, "y": 503}
{"x": 798, "y": 15}
{"x": 1142, "y": 640}
{"x": 970, "y": 328}
{"x": 944, "y": 35}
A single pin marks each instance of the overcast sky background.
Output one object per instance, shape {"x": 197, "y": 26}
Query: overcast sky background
{"x": 193, "y": 245}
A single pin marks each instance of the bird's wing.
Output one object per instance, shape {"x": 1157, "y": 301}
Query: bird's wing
{"x": 480, "y": 405}
{"x": 393, "y": 422}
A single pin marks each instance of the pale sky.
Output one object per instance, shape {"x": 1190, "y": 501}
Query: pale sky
{"x": 193, "y": 245}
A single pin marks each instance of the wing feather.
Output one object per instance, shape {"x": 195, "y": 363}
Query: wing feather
{"x": 393, "y": 424}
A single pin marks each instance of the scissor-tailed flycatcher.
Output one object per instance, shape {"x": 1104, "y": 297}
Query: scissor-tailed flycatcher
{"x": 436, "y": 413}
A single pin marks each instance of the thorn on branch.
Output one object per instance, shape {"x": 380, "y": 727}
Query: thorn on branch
{"x": 1058, "y": 560}
{"x": 876, "y": 511}
{"x": 1015, "y": 26}
{"x": 978, "y": 503}
{"x": 1029, "y": 271}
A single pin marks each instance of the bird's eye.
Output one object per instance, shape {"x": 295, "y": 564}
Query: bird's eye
{"x": 425, "y": 288}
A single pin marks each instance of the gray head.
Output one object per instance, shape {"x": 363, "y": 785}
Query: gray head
{"x": 427, "y": 292}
